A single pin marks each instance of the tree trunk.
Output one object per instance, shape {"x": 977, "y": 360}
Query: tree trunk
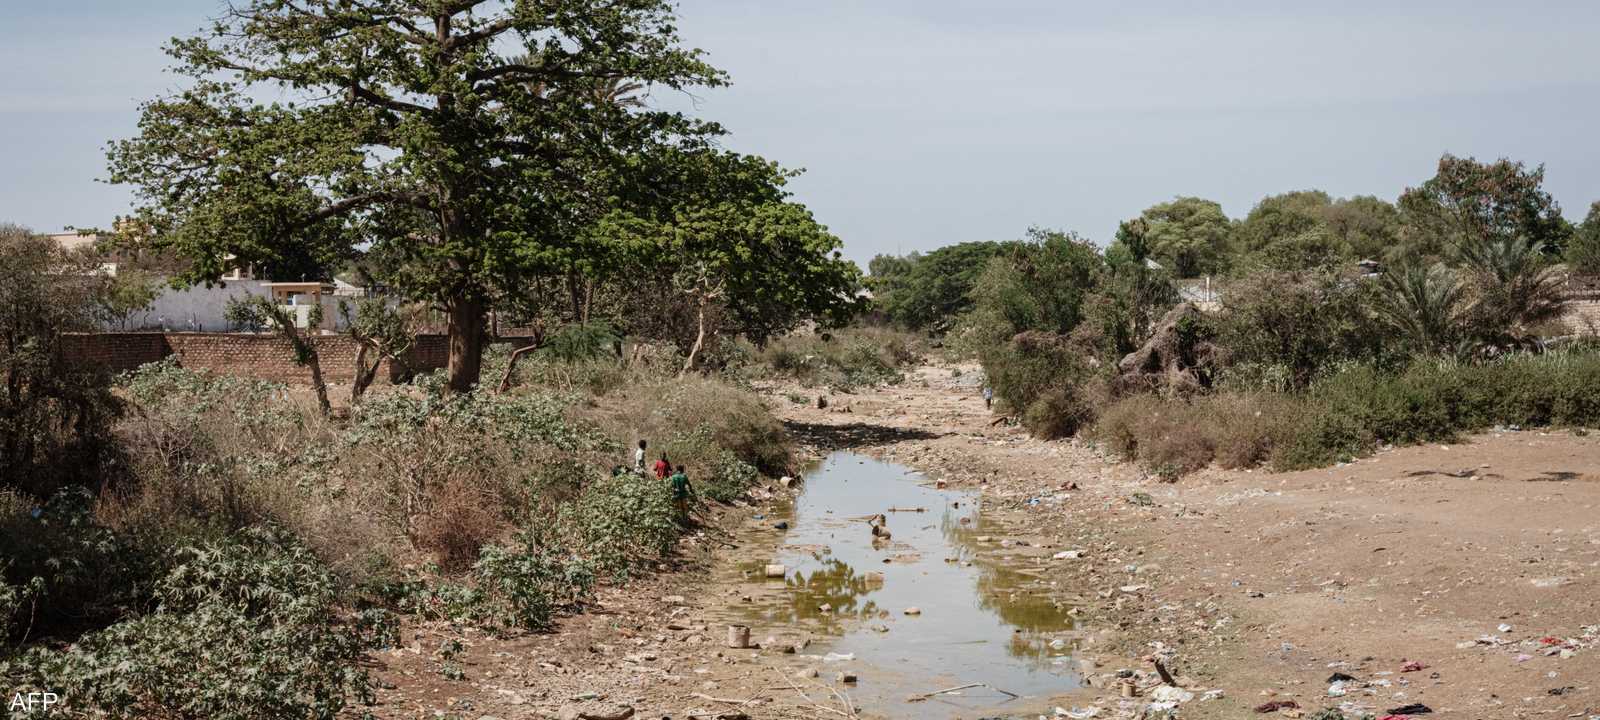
{"x": 699, "y": 339}
{"x": 466, "y": 344}
{"x": 364, "y": 374}
{"x": 316, "y": 381}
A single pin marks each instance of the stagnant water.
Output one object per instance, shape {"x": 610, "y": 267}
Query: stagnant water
{"x": 979, "y": 622}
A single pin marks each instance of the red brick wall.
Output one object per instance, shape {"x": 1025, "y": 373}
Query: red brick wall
{"x": 267, "y": 357}
{"x": 117, "y": 352}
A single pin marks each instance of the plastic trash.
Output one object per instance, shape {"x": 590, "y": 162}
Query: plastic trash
{"x": 1277, "y": 705}
{"x": 1412, "y": 709}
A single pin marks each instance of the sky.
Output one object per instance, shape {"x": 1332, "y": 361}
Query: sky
{"x": 922, "y": 123}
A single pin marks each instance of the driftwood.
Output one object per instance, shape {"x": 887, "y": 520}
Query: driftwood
{"x": 925, "y": 696}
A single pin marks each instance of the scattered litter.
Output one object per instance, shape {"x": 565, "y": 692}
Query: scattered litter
{"x": 1277, "y": 705}
{"x": 1417, "y": 665}
{"x": 839, "y": 657}
{"x": 1412, "y": 709}
{"x": 1168, "y": 693}
{"x": 1340, "y": 677}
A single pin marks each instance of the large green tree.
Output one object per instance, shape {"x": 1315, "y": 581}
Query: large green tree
{"x": 1190, "y": 236}
{"x": 1307, "y": 228}
{"x": 461, "y": 144}
{"x": 1467, "y": 202}
{"x": 725, "y": 235}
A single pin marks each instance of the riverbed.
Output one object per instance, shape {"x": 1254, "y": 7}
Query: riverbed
{"x": 929, "y": 607}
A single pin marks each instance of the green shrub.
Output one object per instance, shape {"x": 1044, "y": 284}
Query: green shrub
{"x": 525, "y": 584}
{"x": 245, "y": 627}
{"x": 64, "y": 573}
{"x": 729, "y": 480}
{"x": 621, "y": 522}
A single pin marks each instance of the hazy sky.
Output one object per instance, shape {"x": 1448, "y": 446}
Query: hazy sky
{"x": 927, "y": 122}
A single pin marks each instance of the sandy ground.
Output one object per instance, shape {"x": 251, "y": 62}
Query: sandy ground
{"x": 1460, "y": 577}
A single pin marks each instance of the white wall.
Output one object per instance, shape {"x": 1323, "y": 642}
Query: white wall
{"x": 200, "y": 309}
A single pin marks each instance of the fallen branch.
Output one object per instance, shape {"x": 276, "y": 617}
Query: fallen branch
{"x": 968, "y": 686}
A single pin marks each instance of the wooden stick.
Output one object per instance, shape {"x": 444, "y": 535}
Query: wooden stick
{"x": 925, "y": 696}
{"x": 1166, "y": 677}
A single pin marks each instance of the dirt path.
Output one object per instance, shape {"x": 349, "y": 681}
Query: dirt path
{"x": 1477, "y": 563}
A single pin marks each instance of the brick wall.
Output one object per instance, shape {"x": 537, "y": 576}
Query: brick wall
{"x": 267, "y": 357}
{"x": 117, "y": 352}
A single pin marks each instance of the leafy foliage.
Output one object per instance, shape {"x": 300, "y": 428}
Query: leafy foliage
{"x": 1583, "y": 253}
{"x": 244, "y": 627}
{"x": 1467, "y": 202}
{"x": 1190, "y": 236}
{"x": 461, "y": 160}
{"x": 55, "y": 417}
{"x": 930, "y": 290}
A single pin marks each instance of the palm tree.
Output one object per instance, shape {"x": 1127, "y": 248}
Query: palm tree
{"x": 1428, "y": 306}
{"x": 1514, "y": 288}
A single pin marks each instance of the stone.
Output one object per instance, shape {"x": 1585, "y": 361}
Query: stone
{"x": 913, "y": 611}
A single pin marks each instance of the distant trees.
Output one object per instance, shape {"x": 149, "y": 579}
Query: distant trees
{"x": 1189, "y": 236}
{"x": 1468, "y": 202}
{"x": 1308, "y": 228}
{"x": 930, "y": 290}
{"x": 1583, "y": 251}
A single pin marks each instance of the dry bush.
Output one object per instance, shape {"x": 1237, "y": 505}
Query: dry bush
{"x": 694, "y": 420}
{"x": 1243, "y": 427}
{"x": 460, "y": 519}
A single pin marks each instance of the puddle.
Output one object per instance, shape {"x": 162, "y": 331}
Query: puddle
{"x": 980, "y": 622}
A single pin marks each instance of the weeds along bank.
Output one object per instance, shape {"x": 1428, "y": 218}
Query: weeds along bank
{"x": 1352, "y": 412}
{"x": 840, "y": 360}
{"x": 242, "y": 553}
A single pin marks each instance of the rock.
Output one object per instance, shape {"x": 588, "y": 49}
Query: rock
{"x": 913, "y": 611}
{"x": 848, "y": 678}
{"x": 806, "y": 673}
{"x": 673, "y": 599}
{"x": 611, "y": 712}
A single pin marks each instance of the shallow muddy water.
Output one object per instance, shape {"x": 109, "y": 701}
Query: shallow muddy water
{"x": 979, "y": 622}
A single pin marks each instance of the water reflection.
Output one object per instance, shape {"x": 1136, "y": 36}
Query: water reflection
{"x": 979, "y": 622}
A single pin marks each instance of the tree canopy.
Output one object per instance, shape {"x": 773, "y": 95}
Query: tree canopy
{"x": 460, "y": 144}
{"x": 1471, "y": 202}
{"x": 1189, "y": 236}
{"x": 929, "y": 290}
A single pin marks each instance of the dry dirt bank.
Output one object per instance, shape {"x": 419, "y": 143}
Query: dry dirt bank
{"x": 1253, "y": 587}
{"x": 1265, "y": 585}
